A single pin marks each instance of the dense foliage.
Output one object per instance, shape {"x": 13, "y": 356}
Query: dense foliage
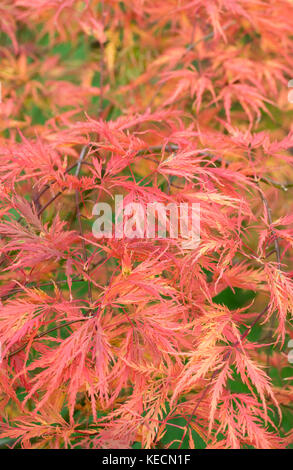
{"x": 137, "y": 342}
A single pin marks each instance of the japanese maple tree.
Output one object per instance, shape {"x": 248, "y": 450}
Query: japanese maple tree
{"x": 140, "y": 342}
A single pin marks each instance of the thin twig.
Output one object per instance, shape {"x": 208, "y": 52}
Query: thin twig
{"x": 276, "y": 239}
{"x": 45, "y": 189}
{"x": 37, "y": 286}
{"x": 188, "y": 49}
{"x": 55, "y": 328}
